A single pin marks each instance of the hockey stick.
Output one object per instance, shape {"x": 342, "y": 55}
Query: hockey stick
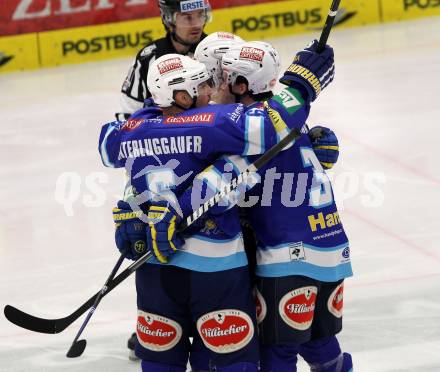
{"x": 328, "y": 25}
{"x": 52, "y": 326}
{"x": 77, "y": 347}
{"x": 242, "y": 177}
{"x": 32, "y": 323}
{"x": 36, "y": 324}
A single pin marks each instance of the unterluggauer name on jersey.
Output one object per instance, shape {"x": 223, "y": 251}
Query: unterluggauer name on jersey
{"x": 160, "y": 146}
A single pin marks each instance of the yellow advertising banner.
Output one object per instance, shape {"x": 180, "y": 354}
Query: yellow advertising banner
{"x": 282, "y": 18}
{"x": 93, "y": 43}
{"x": 19, "y": 53}
{"x": 252, "y": 22}
{"x": 398, "y": 10}
{"x": 259, "y": 21}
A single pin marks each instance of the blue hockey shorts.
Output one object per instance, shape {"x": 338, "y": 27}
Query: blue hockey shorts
{"x": 216, "y": 309}
{"x": 297, "y": 309}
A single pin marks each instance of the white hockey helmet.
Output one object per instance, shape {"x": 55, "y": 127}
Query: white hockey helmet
{"x": 173, "y": 72}
{"x": 211, "y": 50}
{"x": 257, "y": 61}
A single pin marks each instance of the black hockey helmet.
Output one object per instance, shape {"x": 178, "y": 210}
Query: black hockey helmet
{"x": 168, "y": 9}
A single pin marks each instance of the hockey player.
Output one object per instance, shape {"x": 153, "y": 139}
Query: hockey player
{"x": 184, "y": 22}
{"x": 303, "y": 252}
{"x": 162, "y": 150}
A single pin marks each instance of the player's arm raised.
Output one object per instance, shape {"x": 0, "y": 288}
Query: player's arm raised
{"x": 310, "y": 71}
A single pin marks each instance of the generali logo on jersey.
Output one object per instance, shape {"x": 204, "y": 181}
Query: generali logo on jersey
{"x": 253, "y": 54}
{"x": 297, "y": 307}
{"x": 225, "y": 331}
{"x": 170, "y": 64}
{"x": 156, "y": 332}
{"x": 205, "y": 118}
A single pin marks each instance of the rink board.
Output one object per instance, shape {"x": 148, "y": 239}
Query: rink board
{"x": 259, "y": 21}
{"x": 94, "y": 43}
{"x": 400, "y": 10}
{"x": 19, "y": 53}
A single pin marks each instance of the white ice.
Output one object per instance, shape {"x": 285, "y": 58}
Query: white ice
{"x": 384, "y": 105}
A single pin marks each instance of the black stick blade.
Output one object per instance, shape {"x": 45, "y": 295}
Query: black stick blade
{"x": 77, "y": 349}
{"x": 34, "y": 323}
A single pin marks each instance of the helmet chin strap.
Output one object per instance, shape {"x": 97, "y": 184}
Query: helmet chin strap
{"x": 237, "y": 96}
{"x": 179, "y": 40}
{"x": 193, "y": 104}
{"x": 175, "y": 104}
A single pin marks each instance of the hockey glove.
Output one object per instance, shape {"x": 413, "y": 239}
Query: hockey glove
{"x": 325, "y": 145}
{"x": 162, "y": 236}
{"x": 130, "y": 231}
{"x": 311, "y": 71}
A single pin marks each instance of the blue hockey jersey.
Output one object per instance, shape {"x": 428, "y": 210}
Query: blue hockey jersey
{"x": 292, "y": 210}
{"x": 163, "y": 154}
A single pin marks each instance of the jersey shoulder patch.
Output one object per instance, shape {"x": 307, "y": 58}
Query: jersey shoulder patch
{"x": 147, "y": 51}
{"x": 290, "y": 99}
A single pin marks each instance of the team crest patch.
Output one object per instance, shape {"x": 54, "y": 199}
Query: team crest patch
{"x": 156, "y": 332}
{"x": 296, "y": 251}
{"x": 139, "y": 246}
{"x": 260, "y": 304}
{"x": 131, "y": 124}
{"x": 225, "y": 331}
{"x": 298, "y": 306}
{"x": 148, "y": 50}
{"x": 251, "y": 53}
{"x": 335, "y": 302}
{"x": 210, "y": 227}
{"x": 169, "y": 65}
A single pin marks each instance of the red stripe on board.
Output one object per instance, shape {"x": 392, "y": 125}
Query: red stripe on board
{"x": 25, "y": 16}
